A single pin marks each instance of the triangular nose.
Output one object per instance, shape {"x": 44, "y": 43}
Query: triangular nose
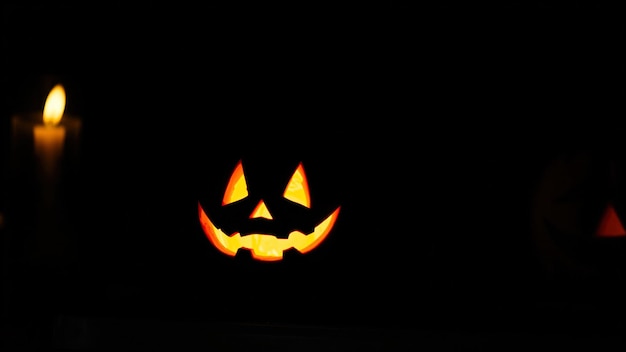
{"x": 610, "y": 225}
{"x": 261, "y": 211}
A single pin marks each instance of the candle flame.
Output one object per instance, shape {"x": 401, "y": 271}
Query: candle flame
{"x": 54, "y": 106}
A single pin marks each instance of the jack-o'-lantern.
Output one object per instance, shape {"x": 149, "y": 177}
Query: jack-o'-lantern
{"x": 579, "y": 215}
{"x": 265, "y": 234}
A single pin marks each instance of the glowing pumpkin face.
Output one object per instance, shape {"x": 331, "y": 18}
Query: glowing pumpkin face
{"x": 260, "y": 233}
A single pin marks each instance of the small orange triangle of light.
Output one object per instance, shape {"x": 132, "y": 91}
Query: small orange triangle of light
{"x": 610, "y": 224}
{"x": 261, "y": 211}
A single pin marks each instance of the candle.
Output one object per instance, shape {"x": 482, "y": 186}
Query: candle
{"x": 49, "y": 137}
{"x": 46, "y": 143}
{"x": 44, "y": 152}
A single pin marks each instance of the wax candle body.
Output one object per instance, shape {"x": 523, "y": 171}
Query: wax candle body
{"x": 43, "y": 151}
{"x": 44, "y": 163}
{"x": 48, "y": 144}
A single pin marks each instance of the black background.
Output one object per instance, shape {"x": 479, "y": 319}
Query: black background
{"x": 430, "y": 126}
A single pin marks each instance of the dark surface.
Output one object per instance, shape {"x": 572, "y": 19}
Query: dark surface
{"x": 433, "y": 130}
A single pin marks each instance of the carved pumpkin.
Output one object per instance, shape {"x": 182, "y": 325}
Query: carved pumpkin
{"x": 267, "y": 236}
{"x": 578, "y": 215}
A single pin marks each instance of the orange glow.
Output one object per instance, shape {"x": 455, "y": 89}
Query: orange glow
{"x": 610, "y": 224}
{"x": 298, "y": 188}
{"x": 55, "y": 106}
{"x": 266, "y": 247}
{"x": 261, "y": 211}
{"x": 237, "y": 187}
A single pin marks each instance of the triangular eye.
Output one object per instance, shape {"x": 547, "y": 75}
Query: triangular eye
{"x": 298, "y": 188}
{"x": 237, "y": 187}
